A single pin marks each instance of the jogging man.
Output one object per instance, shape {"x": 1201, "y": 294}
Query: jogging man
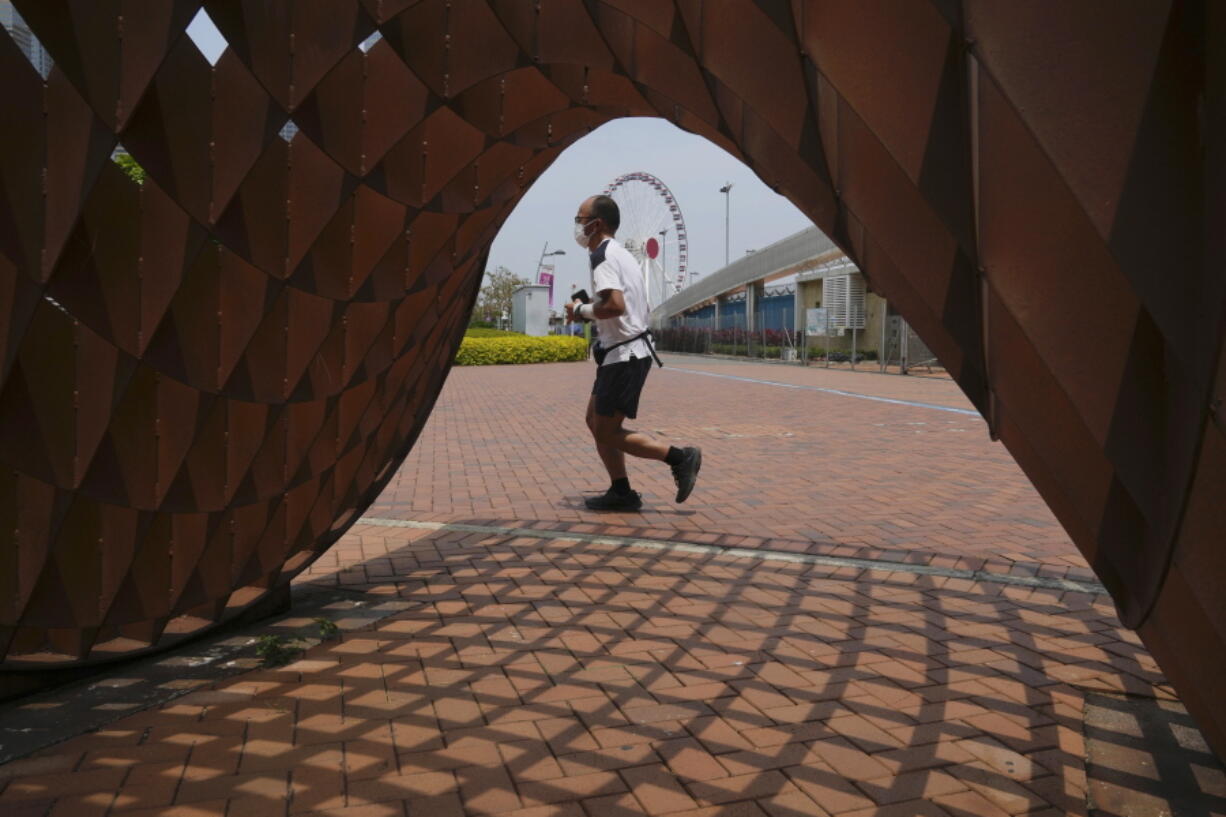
{"x": 623, "y": 359}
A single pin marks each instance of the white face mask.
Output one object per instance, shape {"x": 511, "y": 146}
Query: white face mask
{"x": 581, "y": 235}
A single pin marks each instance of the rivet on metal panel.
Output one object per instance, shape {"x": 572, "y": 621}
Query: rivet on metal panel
{"x": 421, "y": 193}
{"x": 447, "y": 51}
{"x": 502, "y": 105}
{"x": 536, "y": 30}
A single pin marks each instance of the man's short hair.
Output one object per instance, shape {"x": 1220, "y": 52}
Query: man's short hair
{"x": 605, "y": 209}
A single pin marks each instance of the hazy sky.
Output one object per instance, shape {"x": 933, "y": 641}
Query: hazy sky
{"x": 693, "y": 168}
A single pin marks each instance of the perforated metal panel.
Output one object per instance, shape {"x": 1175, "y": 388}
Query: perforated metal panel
{"x": 205, "y": 379}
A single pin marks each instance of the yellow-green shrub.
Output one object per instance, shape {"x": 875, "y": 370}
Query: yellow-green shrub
{"x": 520, "y": 349}
{"x": 485, "y": 332}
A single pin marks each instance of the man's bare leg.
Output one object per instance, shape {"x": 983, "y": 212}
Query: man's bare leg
{"x": 613, "y": 442}
{"x": 613, "y": 459}
{"x": 609, "y": 432}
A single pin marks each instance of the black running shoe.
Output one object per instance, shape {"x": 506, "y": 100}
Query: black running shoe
{"x": 686, "y": 471}
{"x": 612, "y": 501}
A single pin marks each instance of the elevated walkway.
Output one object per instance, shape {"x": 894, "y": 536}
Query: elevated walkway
{"x": 785, "y": 257}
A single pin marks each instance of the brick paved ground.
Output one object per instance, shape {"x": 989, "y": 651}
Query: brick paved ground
{"x": 561, "y": 679}
{"x": 536, "y": 675}
{"x": 920, "y": 386}
{"x": 815, "y": 468}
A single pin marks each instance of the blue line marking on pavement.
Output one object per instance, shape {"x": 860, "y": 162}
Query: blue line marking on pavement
{"x": 840, "y": 392}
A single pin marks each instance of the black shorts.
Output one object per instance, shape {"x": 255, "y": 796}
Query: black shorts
{"x": 618, "y": 386}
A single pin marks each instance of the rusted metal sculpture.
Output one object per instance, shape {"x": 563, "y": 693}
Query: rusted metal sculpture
{"x": 207, "y": 377}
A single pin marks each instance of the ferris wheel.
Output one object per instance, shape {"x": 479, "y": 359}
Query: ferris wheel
{"x": 653, "y": 230}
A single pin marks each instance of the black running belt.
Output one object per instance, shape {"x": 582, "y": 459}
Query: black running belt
{"x": 645, "y": 335}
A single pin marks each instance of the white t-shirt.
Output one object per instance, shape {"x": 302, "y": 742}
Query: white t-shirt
{"x": 613, "y": 267}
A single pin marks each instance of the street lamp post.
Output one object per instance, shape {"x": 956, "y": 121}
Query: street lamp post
{"x": 540, "y": 262}
{"x": 545, "y": 255}
{"x": 727, "y": 191}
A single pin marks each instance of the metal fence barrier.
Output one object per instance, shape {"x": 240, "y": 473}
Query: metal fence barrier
{"x": 900, "y": 348}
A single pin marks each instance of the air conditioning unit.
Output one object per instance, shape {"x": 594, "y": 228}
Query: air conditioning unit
{"x": 844, "y": 296}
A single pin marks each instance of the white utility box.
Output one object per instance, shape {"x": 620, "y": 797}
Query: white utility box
{"x": 530, "y": 310}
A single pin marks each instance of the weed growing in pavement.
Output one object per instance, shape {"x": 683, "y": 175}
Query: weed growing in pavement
{"x": 276, "y": 650}
{"x": 327, "y": 629}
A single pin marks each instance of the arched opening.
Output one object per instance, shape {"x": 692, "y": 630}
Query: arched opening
{"x": 679, "y": 170}
{"x": 998, "y": 171}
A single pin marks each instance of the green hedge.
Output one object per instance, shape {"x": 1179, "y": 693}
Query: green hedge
{"x": 520, "y": 349}
{"x": 488, "y": 332}
{"x": 776, "y": 352}
{"x": 742, "y": 350}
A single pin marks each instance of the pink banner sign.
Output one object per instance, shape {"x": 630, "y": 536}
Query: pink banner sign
{"x": 545, "y": 276}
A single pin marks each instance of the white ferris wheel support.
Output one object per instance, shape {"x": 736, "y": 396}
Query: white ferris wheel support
{"x": 653, "y": 230}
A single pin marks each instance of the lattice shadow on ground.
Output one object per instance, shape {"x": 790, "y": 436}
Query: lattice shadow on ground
{"x": 592, "y": 679}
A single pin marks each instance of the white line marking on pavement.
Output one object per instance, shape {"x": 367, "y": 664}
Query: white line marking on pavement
{"x": 765, "y": 555}
{"x": 827, "y": 390}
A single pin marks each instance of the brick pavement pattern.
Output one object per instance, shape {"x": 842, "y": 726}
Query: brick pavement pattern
{"x": 535, "y": 676}
{"x": 805, "y": 469}
{"x": 921, "y": 386}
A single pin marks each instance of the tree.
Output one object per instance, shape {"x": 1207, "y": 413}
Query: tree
{"x": 495, "y": 297}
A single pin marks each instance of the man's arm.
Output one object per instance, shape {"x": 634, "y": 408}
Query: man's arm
{"x": 609, "y": 303}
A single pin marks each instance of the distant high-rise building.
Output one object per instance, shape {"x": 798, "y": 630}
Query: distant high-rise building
{"x": 21, "y": 34}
